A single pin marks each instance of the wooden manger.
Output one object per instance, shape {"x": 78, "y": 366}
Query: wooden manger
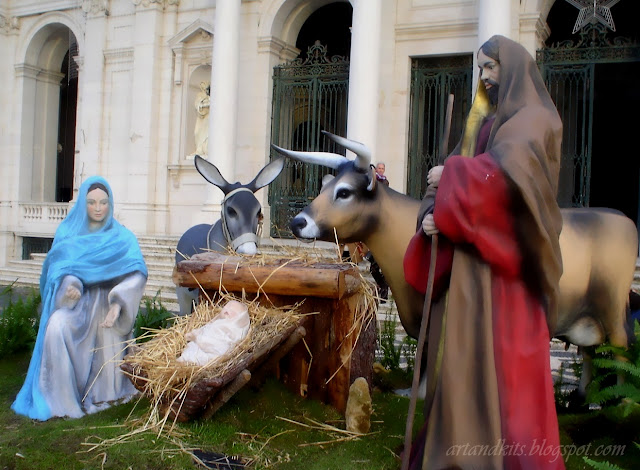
{"x": 184, "y": 392}
{"x": 340, "y": 327}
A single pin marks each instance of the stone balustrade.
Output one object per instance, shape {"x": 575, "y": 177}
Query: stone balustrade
{"x": 42, "y": 215}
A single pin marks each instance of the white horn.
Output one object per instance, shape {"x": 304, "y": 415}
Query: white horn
{"x": 363, "y": 159}
{"x": 331, "y": 160}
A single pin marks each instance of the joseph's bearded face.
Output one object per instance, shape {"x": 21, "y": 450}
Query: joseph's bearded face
{"x": 493, "y": 94}
{"x": 490, "y": 75}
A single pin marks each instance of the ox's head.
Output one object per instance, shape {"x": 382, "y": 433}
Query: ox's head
{"x": 241, "y": 214}
{"x": 347, "y": 203}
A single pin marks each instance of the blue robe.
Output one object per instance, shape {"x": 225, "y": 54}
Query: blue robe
{"x": 74, "y": 368}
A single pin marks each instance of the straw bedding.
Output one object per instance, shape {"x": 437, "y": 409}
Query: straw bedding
{"x": 184, "y": 389}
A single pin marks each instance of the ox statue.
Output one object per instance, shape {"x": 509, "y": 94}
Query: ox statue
{"x": 238, "y": 226}
{"x": 599, "y": 248}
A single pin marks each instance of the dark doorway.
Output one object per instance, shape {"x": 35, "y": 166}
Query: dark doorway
{"x": 598, "y": 136}
{"x": 67, "y": 127}
{"x": 615, "y": 166}
{"x": 331, "y": 25}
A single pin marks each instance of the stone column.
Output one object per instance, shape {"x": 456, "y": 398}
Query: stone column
{"x": 90, "y": 95}
{"x": 146, "y": 101}
{"x": 364, "y": 72}
{"x": 223, "y": 114}
{"x": 494, "y": 17}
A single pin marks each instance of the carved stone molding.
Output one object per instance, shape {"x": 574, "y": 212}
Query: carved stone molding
{"x": 95, "y": 7}
{"x": 79, "y": 60}
{"x": 26, "y": 71}
{"x": 195, "y": 39}
{"x": 162, "y": 3}
{"x": 51, "y": 77}
{"x": 9, "y": 25}
{"x": 534, "y": 23}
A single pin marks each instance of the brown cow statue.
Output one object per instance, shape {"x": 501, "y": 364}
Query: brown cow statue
{"x": 599, "y": 248}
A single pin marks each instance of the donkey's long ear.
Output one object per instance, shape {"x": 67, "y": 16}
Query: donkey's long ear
{"x": 267, "y": 174}
{"x": 211, "y": 173}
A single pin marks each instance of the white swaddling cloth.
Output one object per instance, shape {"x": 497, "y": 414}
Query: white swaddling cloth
{"x": 218, "y": 336}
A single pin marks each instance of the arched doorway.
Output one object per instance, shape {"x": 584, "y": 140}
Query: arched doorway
{"x": 309, "y": 95}
{"x": 592, "y": 76}
{"x": 66, "y": 146}
{"x": 49, "y": 103}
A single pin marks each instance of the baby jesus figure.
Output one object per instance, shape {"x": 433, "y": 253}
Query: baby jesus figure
{"x": 218, "y": 336}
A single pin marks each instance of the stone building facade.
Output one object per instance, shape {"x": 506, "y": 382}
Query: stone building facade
{"x": 109, "y": 87}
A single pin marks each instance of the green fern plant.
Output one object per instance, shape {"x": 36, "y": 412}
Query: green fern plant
{"x": 18, "y": 322}
{"x": 154, "y": 316}
{"x": 391, "y": 354}
{"x": 607, "y": 368}
{"x": 601, "y": 465}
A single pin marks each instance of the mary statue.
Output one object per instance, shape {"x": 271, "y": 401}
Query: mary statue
{"x": 92, "y": 281}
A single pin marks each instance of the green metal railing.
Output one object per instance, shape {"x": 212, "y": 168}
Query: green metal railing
{"x": 432, "y": 80}
{"x": 569, "y": 70}
{"x": 309, "y": 96}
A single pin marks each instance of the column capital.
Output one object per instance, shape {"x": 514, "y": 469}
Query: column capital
{"x": 95, "y": 7}
{"x": 536, "y": 24}
{"x": 277, "y": 47}
{"x": 9, "y": 25}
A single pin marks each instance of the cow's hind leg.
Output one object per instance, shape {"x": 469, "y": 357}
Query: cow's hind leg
{"x": 618, "y": 329}
{"x": 587, "y": 371}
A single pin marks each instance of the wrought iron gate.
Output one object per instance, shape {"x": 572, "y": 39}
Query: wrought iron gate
{"x": 309, "y": 95}
{"x": 568, "y": 69}
{"x": 432, "y": 80}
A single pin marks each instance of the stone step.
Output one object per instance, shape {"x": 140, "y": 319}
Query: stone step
{"x": 32, "y": 278}
{"x": 159, "y": 255}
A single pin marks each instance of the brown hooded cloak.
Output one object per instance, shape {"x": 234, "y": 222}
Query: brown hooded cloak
{"x": 490, "y": 401}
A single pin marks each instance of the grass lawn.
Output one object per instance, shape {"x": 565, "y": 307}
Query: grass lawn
{"x": 251, "y": 426}
{"x": 270, "y": 428}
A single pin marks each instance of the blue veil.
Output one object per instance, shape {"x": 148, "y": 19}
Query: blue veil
{"x": 93, "y": 257}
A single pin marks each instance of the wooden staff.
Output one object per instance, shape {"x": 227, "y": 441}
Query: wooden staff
{"x": 426, "y": 309}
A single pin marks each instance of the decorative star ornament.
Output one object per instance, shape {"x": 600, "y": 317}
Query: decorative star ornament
{"x": 592, "y": 11}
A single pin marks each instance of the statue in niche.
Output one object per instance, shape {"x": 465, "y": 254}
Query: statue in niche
{"x": 201, "y": 128}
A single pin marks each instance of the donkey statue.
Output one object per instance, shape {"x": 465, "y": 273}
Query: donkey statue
{"x": 239, "y": 224}
{"x": 599, "y": 248}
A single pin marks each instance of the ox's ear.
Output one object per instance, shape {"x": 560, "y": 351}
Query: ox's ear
{"x": 267, "y": 174}
{"x": 326, "y": 179}
{"x": 211, "y": 173}
{"x": 373, "y": 181}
